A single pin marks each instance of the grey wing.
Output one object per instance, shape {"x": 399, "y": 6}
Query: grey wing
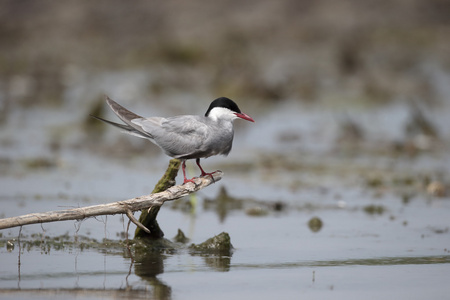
{"x": 127, "y": 117}
{"x": 179, "y": 137}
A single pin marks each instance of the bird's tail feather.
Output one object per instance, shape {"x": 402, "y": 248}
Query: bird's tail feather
{"x": 125, "y": 128}
{"x": 124, "y": 114}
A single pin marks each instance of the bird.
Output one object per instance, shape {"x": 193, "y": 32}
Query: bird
{"x": 186, "y": 136}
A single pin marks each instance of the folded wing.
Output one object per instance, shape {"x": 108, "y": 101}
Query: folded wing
{"x": 179, "y": 137}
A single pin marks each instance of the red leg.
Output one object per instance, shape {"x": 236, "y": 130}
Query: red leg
{"x": 203, "y": 172}
{"x": 183, "y": 167}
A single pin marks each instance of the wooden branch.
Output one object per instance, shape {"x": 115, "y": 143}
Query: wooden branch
{"x": 136, "y": 222}
{"x": 119, "y": 207}
{"x": 147, "y": 218}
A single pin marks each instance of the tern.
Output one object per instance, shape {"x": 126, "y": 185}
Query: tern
{"x": 187, "y": 136}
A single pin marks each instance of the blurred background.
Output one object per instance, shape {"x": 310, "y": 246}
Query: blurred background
{"x": 352, "y": 106}
{"x": 334, "y": 86}
{"x": 346, "y": 53}
{"x": 167, "y": 57}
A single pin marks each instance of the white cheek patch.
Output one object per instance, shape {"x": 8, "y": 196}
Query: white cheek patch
{"x": 222, "y": 113}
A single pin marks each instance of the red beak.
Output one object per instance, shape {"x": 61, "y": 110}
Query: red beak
{"x": 245, "y": 117}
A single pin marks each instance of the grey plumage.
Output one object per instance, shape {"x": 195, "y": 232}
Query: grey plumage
{"x": 187, "y": 136}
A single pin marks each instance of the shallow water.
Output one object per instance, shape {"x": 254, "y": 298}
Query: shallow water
{"x": 383, "y": 234}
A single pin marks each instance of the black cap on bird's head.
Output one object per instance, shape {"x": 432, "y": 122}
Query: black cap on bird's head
{"x": 223, "y": 102}
{"x": 227, "y": 103}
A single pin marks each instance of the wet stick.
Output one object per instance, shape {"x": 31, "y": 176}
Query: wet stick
{"x": 148, "y": 216}
{"x": 119, "y": 207}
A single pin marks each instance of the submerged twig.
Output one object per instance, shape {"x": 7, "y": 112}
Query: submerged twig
{"x": 119, "y": 207}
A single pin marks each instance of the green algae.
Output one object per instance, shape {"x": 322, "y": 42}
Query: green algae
{"x": 181, "y": 237}
{"x": 47, "y": 244}
{"x": 219, "y": 244}
{"x": 315, "y": 224}
{"x": 374, "y": 209}
{"x": 148, "y": 216}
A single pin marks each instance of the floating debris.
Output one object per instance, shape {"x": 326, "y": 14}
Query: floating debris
{"x": 256, "y": 211}
{"x": 375, "y": 181}
{"x": 439, "y": 230}
{"x": 315, "y": 224}
{"x": 10, "y": 245}
{"x": 374, "y": 209}
{"x": 436, "y": 189}
{"x": 278, "y": 206}
{"x": 39, "y": 163}
{"x": 224, "y": 203}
